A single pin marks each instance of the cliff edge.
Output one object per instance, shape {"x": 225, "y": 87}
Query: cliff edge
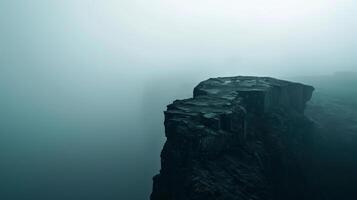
{"x": 238, "y": 138}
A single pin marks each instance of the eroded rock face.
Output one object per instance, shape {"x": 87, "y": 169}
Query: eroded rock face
{"x": 238, "y": 138}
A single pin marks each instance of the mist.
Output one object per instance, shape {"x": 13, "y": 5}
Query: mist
{"x": 84, "y": 83}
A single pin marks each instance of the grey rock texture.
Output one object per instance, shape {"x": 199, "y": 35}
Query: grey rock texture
{"x": 238, "y": 138}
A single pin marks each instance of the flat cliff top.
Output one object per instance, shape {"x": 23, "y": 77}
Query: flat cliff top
{"x": 220, "y": 95}
{"x": 227, "y": 85}
{"x": 218, "y": 99}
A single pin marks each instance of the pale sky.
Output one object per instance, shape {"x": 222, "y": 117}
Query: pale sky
{"x": 273, "y": 37}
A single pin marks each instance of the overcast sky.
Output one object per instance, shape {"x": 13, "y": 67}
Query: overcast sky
{"x": 147, "y": 37}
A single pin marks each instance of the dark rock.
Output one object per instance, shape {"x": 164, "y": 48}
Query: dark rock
{"x": 238, "y": 138}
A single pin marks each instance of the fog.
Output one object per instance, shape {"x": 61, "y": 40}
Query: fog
{"x": 84, "y": 83}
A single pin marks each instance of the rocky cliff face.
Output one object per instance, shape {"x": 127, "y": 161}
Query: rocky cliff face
{"x": 238, "y": 138}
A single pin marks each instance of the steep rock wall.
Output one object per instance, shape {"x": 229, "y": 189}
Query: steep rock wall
{"x": 238, "y": 138}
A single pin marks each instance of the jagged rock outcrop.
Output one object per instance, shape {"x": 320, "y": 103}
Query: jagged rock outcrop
{"x": 238, "y": 138}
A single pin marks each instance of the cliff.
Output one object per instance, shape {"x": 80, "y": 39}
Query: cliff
{"x": 238, "y": 138}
